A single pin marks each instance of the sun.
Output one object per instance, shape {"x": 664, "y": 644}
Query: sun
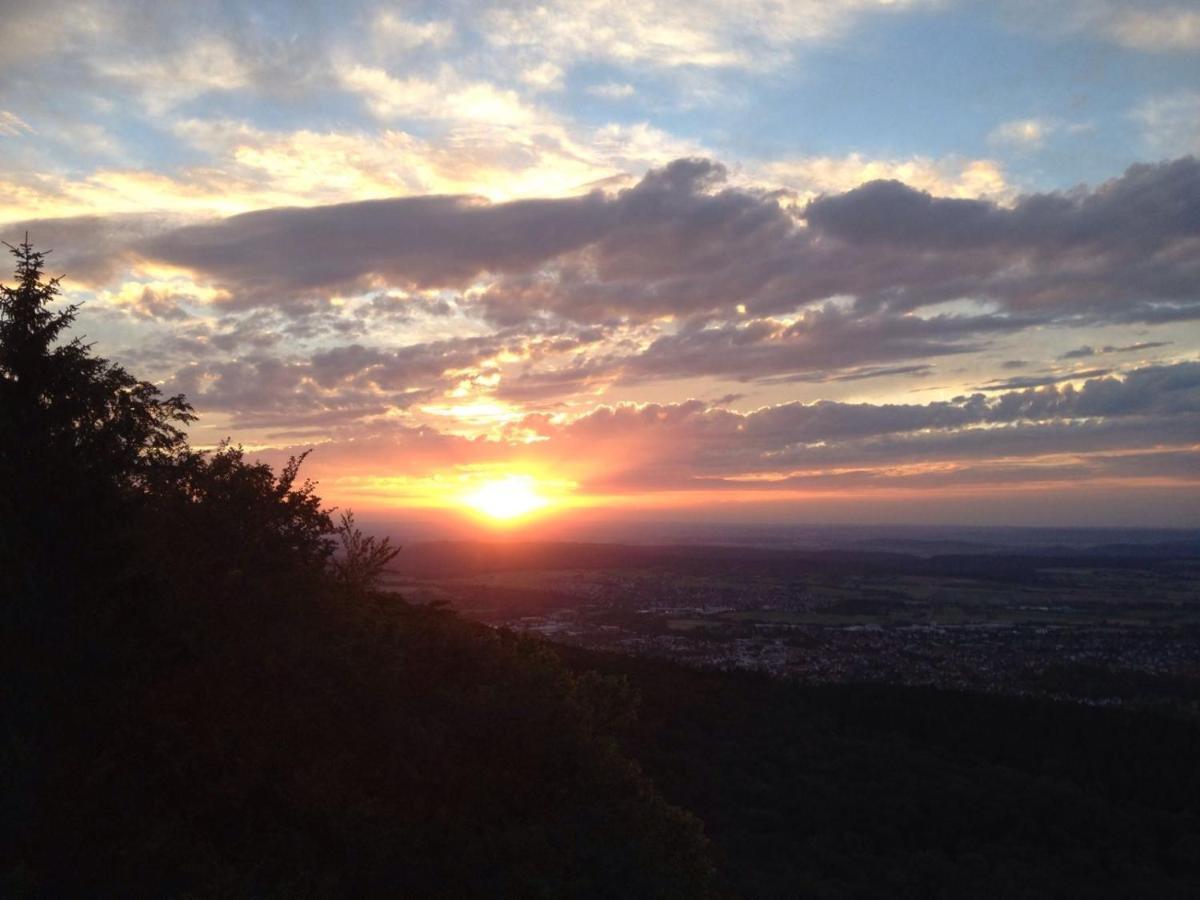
{"x": 506, "y": 499}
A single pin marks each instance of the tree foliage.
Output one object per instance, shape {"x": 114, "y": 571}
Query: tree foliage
{"x": 60, "y": 399}
{"x": 363, "y": 558}
{"x": 217, "y": 514}
{"x": 78, "y": 436}
{"x": 873, "y": 790}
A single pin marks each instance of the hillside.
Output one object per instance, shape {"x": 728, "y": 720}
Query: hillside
{"x": 875, "y": 791}
{"x": 324, "y": 748}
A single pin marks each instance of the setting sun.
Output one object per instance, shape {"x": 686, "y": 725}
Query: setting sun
{"x": 506, "y": 498}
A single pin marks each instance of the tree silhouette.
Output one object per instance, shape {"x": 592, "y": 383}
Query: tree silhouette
{"x": 363, "y": 558}
{"x": 263, "y": 534}
{"x": 78, "y": 436}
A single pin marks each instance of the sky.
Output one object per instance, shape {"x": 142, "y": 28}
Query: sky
{"x": 826, "y": 260}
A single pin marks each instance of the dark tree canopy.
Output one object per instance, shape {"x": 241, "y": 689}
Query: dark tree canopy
{"x": 59, "y": 398}
{"x": 78, "y": 437}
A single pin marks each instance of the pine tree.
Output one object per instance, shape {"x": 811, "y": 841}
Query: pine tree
{"x": 78, "y": 435}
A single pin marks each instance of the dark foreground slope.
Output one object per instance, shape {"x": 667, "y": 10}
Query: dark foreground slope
{"x": 870, "y": 791}
{"x": 327, "y": 746}
{"x": 324, "y": 748}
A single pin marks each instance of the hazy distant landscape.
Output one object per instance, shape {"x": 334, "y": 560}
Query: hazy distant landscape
{"x": 1096, "y": 616}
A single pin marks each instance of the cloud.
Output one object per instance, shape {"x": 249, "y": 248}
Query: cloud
{"x": 1149, "y": 26}
{"x": 398, "y": 33}
{"x": 1131, "y": 239}
{"x": 1079, "y": 352}
{"x": 947, "y": 177}
{"x": 348, "y": 382}
{"x": 1161, "y": 29}
{"x": 422, "y": 241}
{"x": 250, "y": 168}
{"x": 1143, "y": 425}
{"x": 696, "y": 441}
{"x": 164, "y": 82}
{"x": 682, "y": 242}
{"x": 1170, "y": 122}
{"x": 1142, "y": 345}
{"x": 1030, "y": 133}
{"x": 91, "y": 249}
{"x": 12, "y": 125}
{"x": 545, "y": 76}
{"x": 612, "y": 90}
{"x": 1087, "y": 350}
{"x": 1032, "y": 381}
{"x": 445, "y": 97}
{"x": 687, "y": 275}
{"x": 823, "y": 344}
{"x": 704, "y": 34}
{"x": 920, "y": 370}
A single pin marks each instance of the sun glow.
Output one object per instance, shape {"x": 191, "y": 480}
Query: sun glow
{"x": 506, "y": 499}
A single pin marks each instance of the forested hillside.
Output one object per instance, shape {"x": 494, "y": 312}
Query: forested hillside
{"x": 875, "y": 791}
{"x": 203, "y": 696}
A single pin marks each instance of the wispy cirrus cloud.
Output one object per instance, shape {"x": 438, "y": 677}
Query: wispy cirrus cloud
{"x": 674, "y": 35}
